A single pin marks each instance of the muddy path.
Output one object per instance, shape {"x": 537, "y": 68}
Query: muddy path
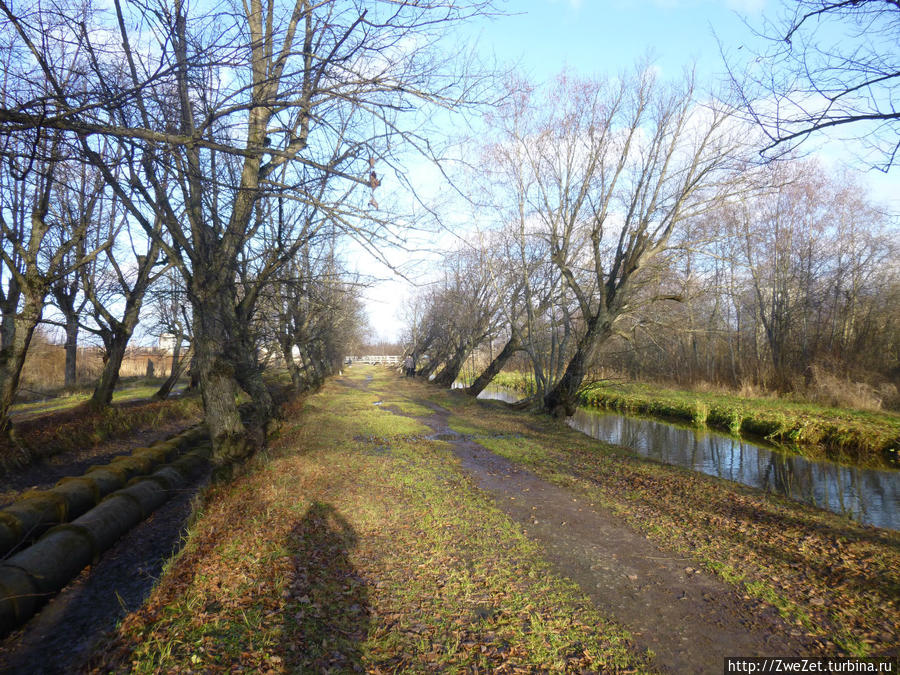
{"x": 689, "y": 619}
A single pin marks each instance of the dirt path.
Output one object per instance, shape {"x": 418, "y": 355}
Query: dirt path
{"x": 395, "y": 527}
{"x": 689, "y": 619}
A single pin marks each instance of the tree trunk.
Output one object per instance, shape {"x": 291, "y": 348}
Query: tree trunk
{"x": 428, "y": 369}
{"x": 214, "y": 344}
{"x": 71, "y": 376}
{"x": 448, "y": 375}
{"x": 12, "y": 358}
{"x": 561, "y": 401}
{"x": 287, "y": 351}
{"x": 8, "y": 307}
{"x": 319, "y": 367}
{"x": 109, "y": 378}
{"x": 193, "y": 373}
{"x": 249, "y": 376}
{"x": 65, "y": 293}
{"x": 219, "y": 389}
{"x": 175, "y": 372}
{"x": 495, "y": 366}
{"x": 116, "y": 346}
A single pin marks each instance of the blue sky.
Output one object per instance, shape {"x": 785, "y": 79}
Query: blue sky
{"x": 605, "y": 36}
{"x": 595, "y": 37}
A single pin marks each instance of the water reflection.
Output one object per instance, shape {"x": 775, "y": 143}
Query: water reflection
{"x": 500, "y": 394}
{"x": 869, "y": 496}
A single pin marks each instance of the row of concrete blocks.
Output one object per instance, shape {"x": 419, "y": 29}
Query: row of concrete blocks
{"x": 35, "y": 574}
{"x": 36, "y": 511}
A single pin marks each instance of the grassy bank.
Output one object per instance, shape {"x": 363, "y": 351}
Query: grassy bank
{"x": 357, "y": 544}
{"x": 130, "y": 389}
{"x": 75, "y": 427}
{"x": 833, "y": 580}
{"x": 854, "y": 436}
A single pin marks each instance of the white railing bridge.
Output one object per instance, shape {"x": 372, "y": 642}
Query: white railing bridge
{"x": 376, "y": 359}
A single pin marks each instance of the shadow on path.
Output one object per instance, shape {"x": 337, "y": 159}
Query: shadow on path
{"x": 327, "y": 616}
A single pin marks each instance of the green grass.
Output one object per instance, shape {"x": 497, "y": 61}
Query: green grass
{"x": 39, "y": 439}
{"x": 125, "y": 393}
{"x": 356, "y": 542}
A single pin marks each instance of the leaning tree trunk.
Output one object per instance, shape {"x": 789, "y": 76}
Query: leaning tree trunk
{"x": 561, "y": 400}
{"x": 115, "y": 353}
{"x": 109, "y": 378}
{"x": 178, "y": 365}
{"x": 448, "y": 375}
{"x": 495, "y": 366}
{"x": 427, "y": 370}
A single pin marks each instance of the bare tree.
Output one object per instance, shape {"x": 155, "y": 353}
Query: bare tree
{"x": 233, "y": 106}
{"x": 618, "y": 165}
{"x": 518, "y": 256}
{"x": 168, "y": 307}
{"x": 468, "y": 315}
{"x": 116, "y": 293}
{"x": 28, "y": 187}
{"x": 826, "y": 64}
{"x": 790, "y": 279}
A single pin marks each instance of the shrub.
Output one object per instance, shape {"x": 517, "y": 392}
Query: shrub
{"x": 829, "y": 389}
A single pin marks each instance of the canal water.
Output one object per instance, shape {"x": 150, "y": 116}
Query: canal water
{"x": 869, "y": 496}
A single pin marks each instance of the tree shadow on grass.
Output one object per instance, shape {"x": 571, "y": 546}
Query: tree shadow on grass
{"x": 327, "y": 614}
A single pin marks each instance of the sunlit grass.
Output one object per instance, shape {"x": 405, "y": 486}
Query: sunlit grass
{"x": 127, "y": 392}
{"x": 407, "y": 568}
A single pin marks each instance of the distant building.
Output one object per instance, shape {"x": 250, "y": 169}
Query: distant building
{"x": 167, "y": 343}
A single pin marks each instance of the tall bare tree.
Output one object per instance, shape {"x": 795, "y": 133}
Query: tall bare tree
{"x": 617, "y": 166}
